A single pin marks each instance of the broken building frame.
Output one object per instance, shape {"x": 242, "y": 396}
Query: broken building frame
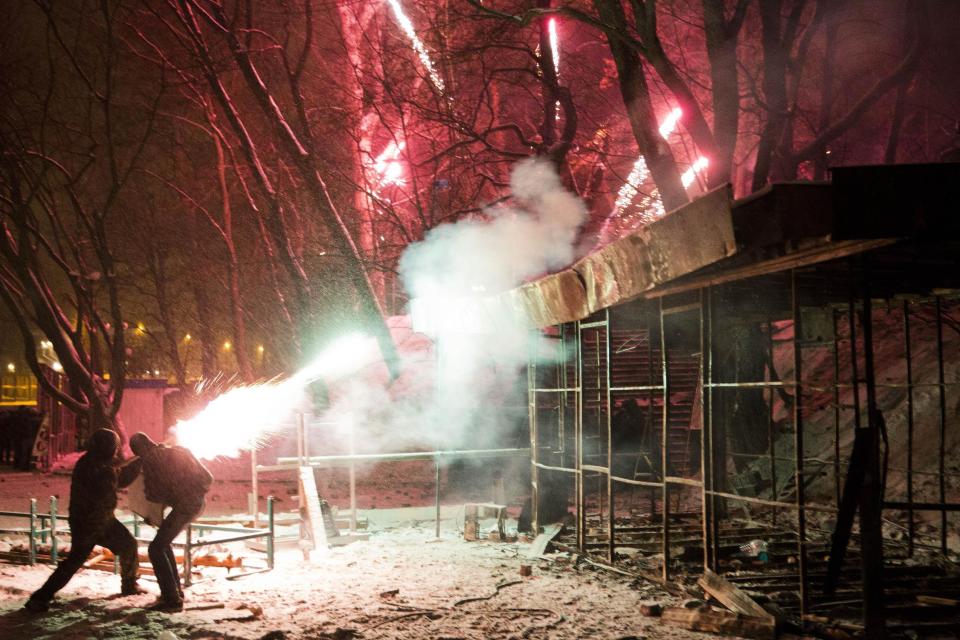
{"x": 797, "y": 278}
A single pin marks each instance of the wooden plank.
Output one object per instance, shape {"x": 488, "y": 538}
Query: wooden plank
{"x": 311, "y": 503}
{"x": 721, "y": 622}
{"x": 539, "y": 544}
{"x": 731, "y": 596}
{"x": 936, "y": 600}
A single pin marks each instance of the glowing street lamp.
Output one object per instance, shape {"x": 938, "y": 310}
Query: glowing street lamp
{"x": 12, "y": 368}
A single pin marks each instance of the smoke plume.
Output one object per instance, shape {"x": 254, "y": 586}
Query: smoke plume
{"x": 479, "y": 348}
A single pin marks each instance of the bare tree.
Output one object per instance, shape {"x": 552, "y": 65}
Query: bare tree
{"x": 70, "y": 139}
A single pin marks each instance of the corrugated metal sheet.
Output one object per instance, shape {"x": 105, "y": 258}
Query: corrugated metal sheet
{"x": 681, "y": 242}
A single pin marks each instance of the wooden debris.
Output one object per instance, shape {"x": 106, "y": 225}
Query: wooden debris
{"x": 539, "y": 546}
{"x": 474, "y": 512}
{"x": 651, "y": 610}
{"x": 526, "y": 570}
{"x": 313, "y": 514}
{"x": 223, "y": 560}
{"x": 496, "y": 590}
{"x": 721, "y": 622}
{"x": 937, "y": 600}
{"x": 205, "y": 607}
{"x": 97, "y": 559}
{"x": 731, "y": 596}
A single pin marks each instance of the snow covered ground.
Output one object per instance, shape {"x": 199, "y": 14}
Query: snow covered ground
{"x": 401, "y": 583}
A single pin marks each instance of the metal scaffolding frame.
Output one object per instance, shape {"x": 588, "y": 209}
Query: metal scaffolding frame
{"x": 604, "y": 523}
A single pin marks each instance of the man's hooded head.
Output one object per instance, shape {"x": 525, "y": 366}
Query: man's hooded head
{"x": 141, "y": 443}
{"x": 103, "y": 444}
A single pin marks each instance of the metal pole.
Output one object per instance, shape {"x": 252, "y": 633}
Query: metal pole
{"x": 532, "y": 421}
{"x": 436, "y": 463}
{"x": 270, "y": 559}
{"x": 908, "y": 354}
{"x": 254, "y": 501}
{"x": 798, "y": 440}
{"x": 836, "y": 408}
{"x": 54, "y": 556}
{"x": 665, "y": 443}
{"x": 771, "y": 436}
{"x": 871, "y": 498}
{"x": 708, "y": 426}
{"x": 187, "y": 568}
{"x": 704, "y": 444}
{"x": 943, "y": 426}
{"x": 578, "y": 428}
{"x": 562, "y": 384}
{"x": 300, "y": 451}
{"x": 648, "y": 411}
{"x": 854, "y": 365}
{"x": 353, "y": 479}
{"x": 596, "y": 424}
{"x": 32, "y": 547}
{"x": 301, "y": 499}
{"x": 608, "y": 332}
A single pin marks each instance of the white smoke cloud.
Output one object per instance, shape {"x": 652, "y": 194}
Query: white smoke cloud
{"x": 485, "y": 256}
{"x": 480, "y": 349}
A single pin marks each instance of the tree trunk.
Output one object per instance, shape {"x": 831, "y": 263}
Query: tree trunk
{"x": 636, "y": 99}
{"x": 722, "y": 52}
{"x": 774, "y": 91}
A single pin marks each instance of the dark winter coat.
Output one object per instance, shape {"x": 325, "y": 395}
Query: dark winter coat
{"x": 171, "y": 475}
{"x": 96, "y": 477}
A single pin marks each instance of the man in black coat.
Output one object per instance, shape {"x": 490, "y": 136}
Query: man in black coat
{"x": 93, "y": 498}
{"x": 173, "y": 477}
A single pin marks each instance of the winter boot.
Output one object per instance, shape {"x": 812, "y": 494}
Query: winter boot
{"x": 167, "y": 605}
{"x": 37, "y": 605}
{"x": 131, "y": 588}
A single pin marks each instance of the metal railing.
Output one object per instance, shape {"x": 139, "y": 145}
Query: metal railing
{"x": 37, "y": 529}
{"x": 42, "y": 525}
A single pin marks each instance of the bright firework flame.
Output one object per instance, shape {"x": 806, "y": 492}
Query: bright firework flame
{"x": 669, "y": 123}
{"x": 417, "y": 44}
{"x": 640, "y": 173}
{"x": 245, "y": 417}
{"x": 387, "y": 166}
{"x": 690, "y": 174}
{"x": 554, "y": 44}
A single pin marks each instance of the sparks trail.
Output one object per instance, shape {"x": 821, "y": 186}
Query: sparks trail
{"x": 407, "y": 26}
{"x": 245, "y": 417}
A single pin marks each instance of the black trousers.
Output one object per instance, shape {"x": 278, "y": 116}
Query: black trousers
{"x": 161, "y": 550}
{"x": 114, "y": 536}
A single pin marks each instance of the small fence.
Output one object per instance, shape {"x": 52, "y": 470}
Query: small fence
{"x": 42, "y": 526}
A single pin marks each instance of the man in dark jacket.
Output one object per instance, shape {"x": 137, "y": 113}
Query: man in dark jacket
{"x": 173, "y": 477}
{"x": 93, "y": 498}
